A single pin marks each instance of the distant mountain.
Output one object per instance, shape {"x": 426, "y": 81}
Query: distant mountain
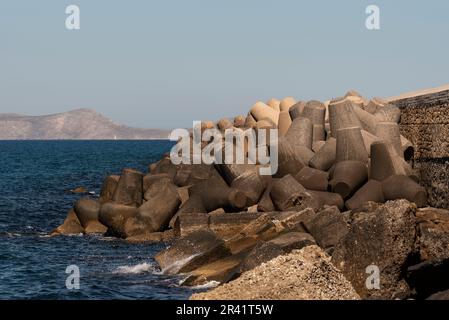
{"x": 80, "y": 124}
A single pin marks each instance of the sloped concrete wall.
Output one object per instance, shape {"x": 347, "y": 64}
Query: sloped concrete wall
{"x": 425, "y": 122}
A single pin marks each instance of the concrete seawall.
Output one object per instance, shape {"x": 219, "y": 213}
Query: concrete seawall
{"x": 425, "y": 122}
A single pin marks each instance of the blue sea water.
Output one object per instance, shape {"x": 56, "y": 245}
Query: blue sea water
{"x": 34, "y": 179}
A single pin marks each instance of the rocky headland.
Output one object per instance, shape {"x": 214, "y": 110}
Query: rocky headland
{"x": 79, "y": 124}
{"x": 344, "y": 216}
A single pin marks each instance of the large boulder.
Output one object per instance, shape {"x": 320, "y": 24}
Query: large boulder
{"x": 382, "y": 238}
{"x": 432, "y": 247}
{"x": 87, "y": 210}
{"x": 433, "y": 234}
{"x": 305, "y": 274}
{"x": 71, "y": 225}
{"x": 191, "y": 252}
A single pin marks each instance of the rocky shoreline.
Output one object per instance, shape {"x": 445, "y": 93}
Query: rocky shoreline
{"x": 344, "y": 216}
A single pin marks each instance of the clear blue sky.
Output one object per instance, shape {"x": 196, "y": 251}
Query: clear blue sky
{"x": 164, "y": 63}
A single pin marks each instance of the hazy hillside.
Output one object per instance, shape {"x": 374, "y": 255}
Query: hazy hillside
{"x": 77, "y": 124}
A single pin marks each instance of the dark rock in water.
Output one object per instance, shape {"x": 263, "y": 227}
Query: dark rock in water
{"x": 433, "y": 234}
{"x": 382, "y": 238}
{"x": 129, "y": 188}
{"x": 313, "y": 179}
{"x": 79, "y": 190}
{"x": 192, "y": 252}
{"x": 114, "y": 216}
{"x": 371, "y": 191}
{"x": 403, "y": 187}
{"x": 280, "y": 245}
{"x": 87, "y": 210}
{"x": 443, "y": 295}
{"x": 108, "y": 188}
{"x": 327, "y": 227}
{"x": 428, "y": 277}
{"x": 71, "y": 225}
{"x": 163, "y": 202}
{"x": 289, "y": 195}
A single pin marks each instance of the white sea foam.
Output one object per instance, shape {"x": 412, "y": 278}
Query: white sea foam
{"x": 137, "y": 269}
{"x": 207, "y": 285}
{"x": 178, "y": 264}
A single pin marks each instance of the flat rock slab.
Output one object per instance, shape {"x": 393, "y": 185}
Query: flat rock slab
{"x": 280, "y": 245}
{"x": 190, "y": 253}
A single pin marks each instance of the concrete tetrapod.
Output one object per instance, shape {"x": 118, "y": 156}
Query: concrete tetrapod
{"x": 215, "y": 193}
{"x": 403, "y": 187}
{"x": 371, "y": 191}
{"x": 296, "y": 110}
{"x": 383, "y": 164}
{"x": 350, "y": 145}
{"x": 342, "y": 115}
{"x": 326, "y": 155}
{"x": 389, "y": 131}
{"x": 328, "y": 199}
{"x": 275, "y": 104}
{"x": 348, "y": 176}
{"x": 286, "y": 104}
{"x": 300, "y": 133}
{"x": 315, "y": 111}
{"x": 284, "y": 123}
{"x": 313, "y": 179}
{"x": 289, "y": 195}
{"x": 261, "y": 111}
{"x": 289, "y": 161}
{"x": 129, "y": 188}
